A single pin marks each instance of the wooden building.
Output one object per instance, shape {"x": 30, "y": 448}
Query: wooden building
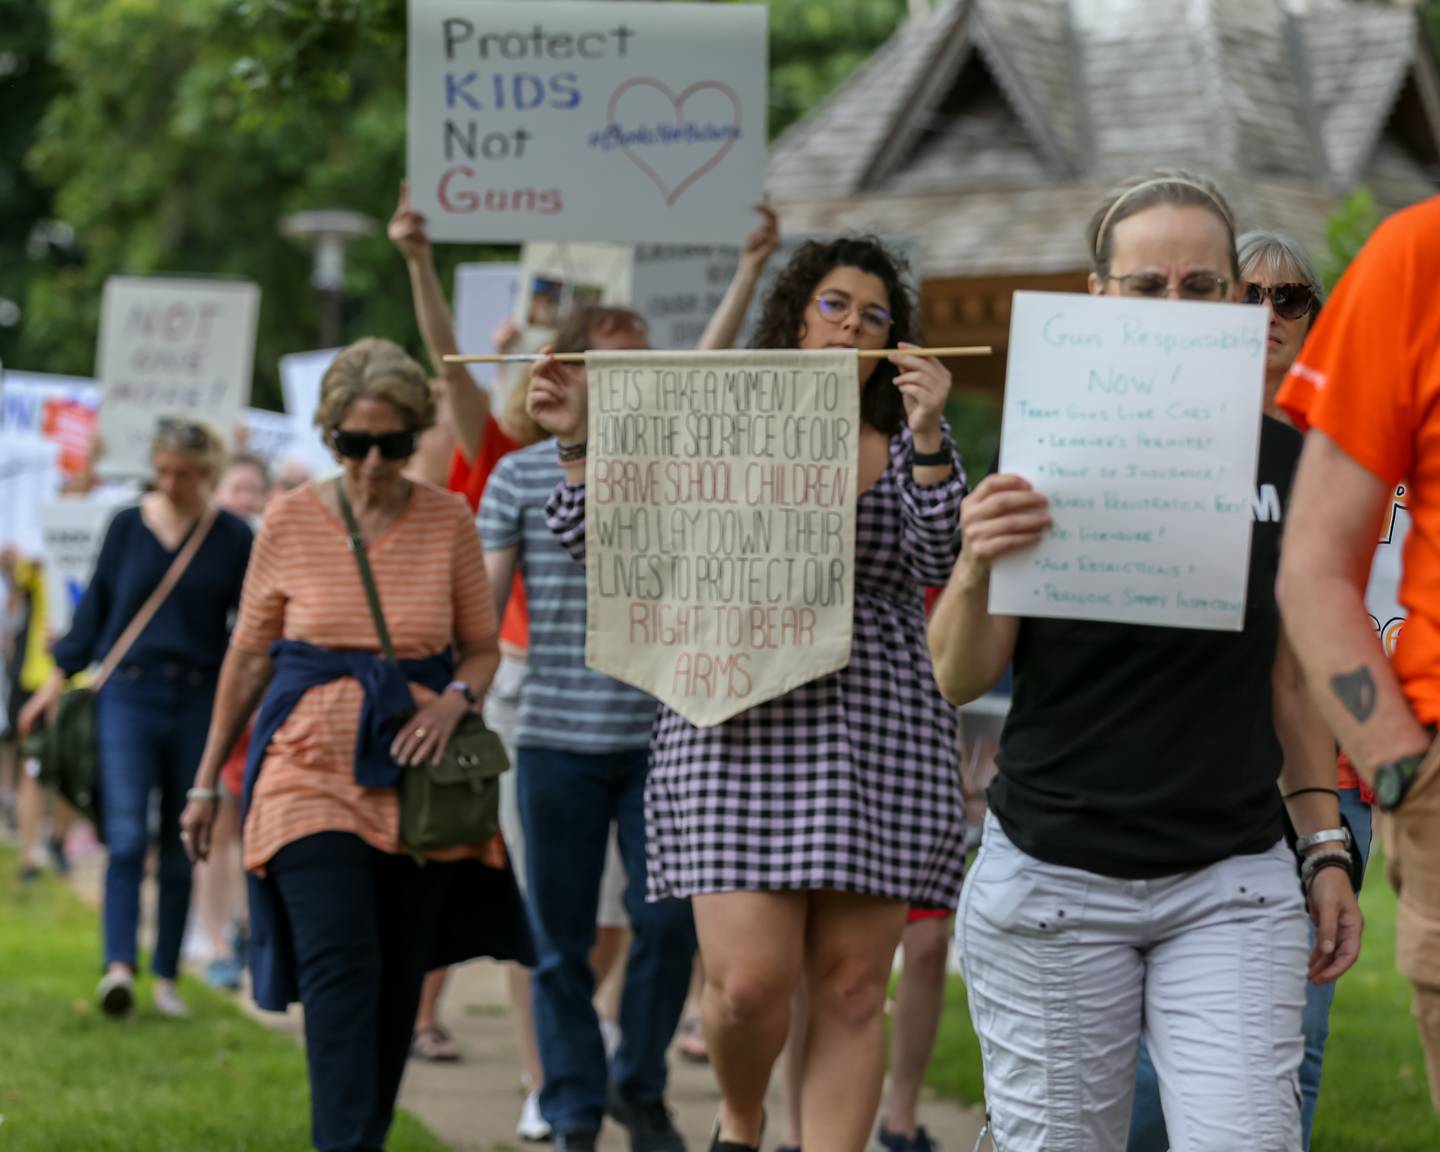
{"x": 990, "y": 129}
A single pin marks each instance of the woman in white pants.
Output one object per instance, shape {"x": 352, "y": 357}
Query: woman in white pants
{"x": 1134, "y": 874}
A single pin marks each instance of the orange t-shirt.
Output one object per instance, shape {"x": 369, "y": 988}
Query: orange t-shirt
{"x": 303, "y": 584}
{"x": 469, "y": 480}
{"x": 1369, "y": 378}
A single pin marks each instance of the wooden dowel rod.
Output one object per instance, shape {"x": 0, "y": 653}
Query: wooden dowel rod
{"x": 579, "y": 357}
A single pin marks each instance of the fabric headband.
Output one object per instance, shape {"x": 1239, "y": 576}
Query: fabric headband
{"x": 1155, "y": 183}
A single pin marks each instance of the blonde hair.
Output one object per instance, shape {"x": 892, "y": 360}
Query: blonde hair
{"x": 1172, "y": 186}
{"x": 374, "y": 369}
{"x": 192, "y": 439}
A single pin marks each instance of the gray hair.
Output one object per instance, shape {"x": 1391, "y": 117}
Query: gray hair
{"x": 1279, "y": 255}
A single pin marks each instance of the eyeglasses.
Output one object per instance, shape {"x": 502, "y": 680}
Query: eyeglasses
{"x": 1290, "y": 301}
{"x": 185, "y": 433}
{"x": 836, "y": 307}
{"x": 1153, "y": 286}
{"x": 357, "y": 445}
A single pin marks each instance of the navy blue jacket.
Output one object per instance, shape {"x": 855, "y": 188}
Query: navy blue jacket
{"x": 483, "y": 914}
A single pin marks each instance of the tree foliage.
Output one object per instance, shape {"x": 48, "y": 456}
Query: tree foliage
{"x": 172, "y": 136}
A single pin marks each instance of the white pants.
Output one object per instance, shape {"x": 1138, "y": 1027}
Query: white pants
{"x": 1065, "y": 967}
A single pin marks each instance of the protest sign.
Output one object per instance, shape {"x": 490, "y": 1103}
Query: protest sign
{"x": 29, "y": 478}
{"x": 1140, "y": 420}
{"x": 554, "y": 278}
{"x": 583, "y": 121}
{"x": 720, "y": 523}
{"x": 300, "y": 376}
{"x": 484, "y": 299}
{"x": 71, "y": 534}
{"x": 270, "y": 436}
{"x": 171, "y": 347}
{"x": 58, "y": 408}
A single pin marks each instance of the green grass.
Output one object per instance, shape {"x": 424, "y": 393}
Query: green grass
{"x": 72, "y": 1079}
{"x": 1373, "y": 1097}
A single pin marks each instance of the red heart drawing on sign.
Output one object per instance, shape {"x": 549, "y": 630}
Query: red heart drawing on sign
{"x": 678, "y": 104}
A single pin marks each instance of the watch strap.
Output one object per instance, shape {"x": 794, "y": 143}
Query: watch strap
{"x": 463, "y": 688}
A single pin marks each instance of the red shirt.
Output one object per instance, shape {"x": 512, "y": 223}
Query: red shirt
{"x": 469, "y": 479}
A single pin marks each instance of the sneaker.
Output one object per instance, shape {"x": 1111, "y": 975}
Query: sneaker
{"x": 116, "y": 993}
{"x": 59, "y": 859}
{"x": 533, "y": 1127}
{"x": 223, "y": 974}
{"x": 574, "y": 1142}
{"x": 649, "y": 1123}
{"x": 168, "y": 1003}
{"x": 896, "y": 1142}
{"x": 29, "y": 873}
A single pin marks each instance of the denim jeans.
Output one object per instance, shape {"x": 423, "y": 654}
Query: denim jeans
{"x": 152, "y": 726}
{"x": 360, "y": 921}
{"x": 1147, "y": 1121}
{"x": 568, "y": 801}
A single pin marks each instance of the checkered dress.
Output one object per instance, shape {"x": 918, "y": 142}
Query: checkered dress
{"x": 849, "y": 783}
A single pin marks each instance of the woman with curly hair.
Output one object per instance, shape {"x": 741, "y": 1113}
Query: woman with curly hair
{"x": 804, "y": 828}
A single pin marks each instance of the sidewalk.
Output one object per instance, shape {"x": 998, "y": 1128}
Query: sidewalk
{"x": 473, "y": 1105}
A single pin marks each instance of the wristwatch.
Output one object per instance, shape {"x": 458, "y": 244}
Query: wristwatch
{"x": 464, "y": 689}
{"x": 1394, "y": 779}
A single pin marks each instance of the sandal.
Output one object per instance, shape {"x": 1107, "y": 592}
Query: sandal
{"x": 691, "y": 1044}
{"x": 434, "y": 1045}
{"x": 718, "y": 1145}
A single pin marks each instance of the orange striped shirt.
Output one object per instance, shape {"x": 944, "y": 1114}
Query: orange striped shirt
{"x": 303, "y": 584}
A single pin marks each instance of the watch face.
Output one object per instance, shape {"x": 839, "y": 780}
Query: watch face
{"x": 1388, "y": 784}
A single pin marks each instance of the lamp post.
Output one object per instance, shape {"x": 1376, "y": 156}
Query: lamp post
{"x": 329, "y": 229}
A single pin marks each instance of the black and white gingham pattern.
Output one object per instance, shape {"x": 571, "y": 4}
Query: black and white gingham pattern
{"x": 848, "y": 783}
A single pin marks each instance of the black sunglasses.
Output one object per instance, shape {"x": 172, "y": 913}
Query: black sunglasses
{"x": 357, "y": 445}
{"x": 1290, "y": 301}
{"x": 186, "y": 433}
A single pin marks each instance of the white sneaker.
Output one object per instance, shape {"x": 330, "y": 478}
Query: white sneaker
{"x": 533, "y": 1128}
{"x": 116, "y": 993}
{"x": 168, "y": 1003}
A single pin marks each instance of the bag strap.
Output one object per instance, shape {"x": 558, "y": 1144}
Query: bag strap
{"x": 362, "y": 561}
{"x": 138, "y": 623}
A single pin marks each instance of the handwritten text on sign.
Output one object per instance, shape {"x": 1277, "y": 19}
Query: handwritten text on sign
{"x": 585, "y": 121}
{"x": 720, "y": 523}
{"x": 169, "y": 347}
{"x": 1140, "y": 420}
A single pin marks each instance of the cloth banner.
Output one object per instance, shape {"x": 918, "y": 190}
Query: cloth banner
{"x": 720, "y": 523}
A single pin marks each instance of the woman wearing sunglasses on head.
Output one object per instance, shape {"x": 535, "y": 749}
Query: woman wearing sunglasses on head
{"x": 1134, "y": 877}
{"x": 1274, "y": 270}
{"x": 804, "y": 828}
{"x": 154, "y": 708}
{"x": 344, "y": 917}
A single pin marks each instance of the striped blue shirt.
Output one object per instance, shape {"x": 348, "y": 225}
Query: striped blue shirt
{"x": 563, "y": 704}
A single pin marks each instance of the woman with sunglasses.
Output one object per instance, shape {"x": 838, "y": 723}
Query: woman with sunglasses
{"x": 344, "y": 918}
{"x": 1134, "y": 877}
{"x": 779, "y": 892}
{"x": 1274, "y": 270}
{"x": 155, "y": 708}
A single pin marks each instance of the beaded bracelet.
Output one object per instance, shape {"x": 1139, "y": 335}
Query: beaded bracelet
{"x": 1319, "y": 862}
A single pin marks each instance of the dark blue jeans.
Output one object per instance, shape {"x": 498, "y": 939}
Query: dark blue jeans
{"x": 568, "y": 801}
{"x": 361, "y": 922}
{"x": 152, "y": 732}
{"x": 1147, "y": 1121}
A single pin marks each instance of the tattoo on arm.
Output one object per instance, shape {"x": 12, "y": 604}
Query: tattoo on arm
{"x": 1355, "y": 690}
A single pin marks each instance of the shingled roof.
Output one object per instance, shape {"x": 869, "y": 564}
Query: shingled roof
{"x": 990, "y": 128}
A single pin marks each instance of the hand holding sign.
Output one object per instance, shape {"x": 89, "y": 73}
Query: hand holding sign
{"x": 558, "y": 399}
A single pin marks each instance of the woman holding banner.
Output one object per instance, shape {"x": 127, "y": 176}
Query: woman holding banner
{"x": 779, "y": 895}
{"x": 1134, "y": 875}
{"x": 155, "y": 707}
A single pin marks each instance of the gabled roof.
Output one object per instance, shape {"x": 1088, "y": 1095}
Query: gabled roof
{"x": 1021, "y": 101}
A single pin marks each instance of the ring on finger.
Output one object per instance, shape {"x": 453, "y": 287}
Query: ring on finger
{"x": 419, "y": 733}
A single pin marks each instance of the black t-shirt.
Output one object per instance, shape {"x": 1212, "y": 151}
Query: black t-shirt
{"x": 1137, "y": 752}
